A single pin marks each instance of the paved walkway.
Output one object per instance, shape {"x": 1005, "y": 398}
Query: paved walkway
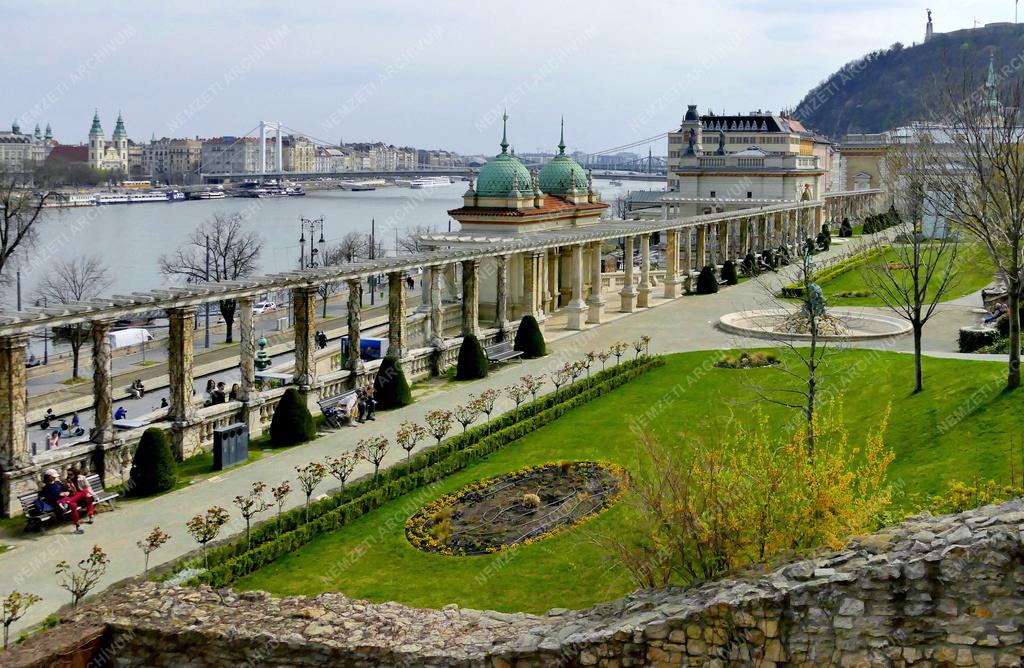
{"x": 684, "y": 324}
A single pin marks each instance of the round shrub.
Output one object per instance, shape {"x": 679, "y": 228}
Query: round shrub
{"x": 153, "y": 467}
{"x": 729, "y": 273}
{"x": 706, "y": 282}
{"x": 472, "y": 361}
{"x": 292, "y": 423}
{"x": 529, "y": 339}
{"x": 391, "y": 390}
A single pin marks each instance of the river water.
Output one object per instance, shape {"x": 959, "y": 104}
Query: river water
{"x": 130, "y": 238}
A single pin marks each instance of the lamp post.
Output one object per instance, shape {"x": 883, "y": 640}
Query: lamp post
{"x": 372, "y": 280}
{"x": 314, "y": 225}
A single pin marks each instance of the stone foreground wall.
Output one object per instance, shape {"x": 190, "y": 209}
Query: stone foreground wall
{"x": 935, "y": 591}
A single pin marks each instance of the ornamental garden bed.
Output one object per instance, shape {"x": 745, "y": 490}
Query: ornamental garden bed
{"x": 748, "y": 360}
{"x": 518, "y": 508}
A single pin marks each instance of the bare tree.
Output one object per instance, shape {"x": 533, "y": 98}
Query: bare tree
{"x": 410, "y": 242}
{"x": 233, "y": 254}
{"x": 913, "y": 274}
{"x": 22, "y": 210}
{"x": 72, "y": 281}
{"x": 333, "y": 255}
{"x": 353, "y": 245}
{"x": 981, "y": 184}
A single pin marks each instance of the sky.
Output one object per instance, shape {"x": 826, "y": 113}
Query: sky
{"x": 437, "y": 74}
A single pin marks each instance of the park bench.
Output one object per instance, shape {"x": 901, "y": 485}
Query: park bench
{"x": 40, "y": 519}
{"x": 501, "y": 352}
{"x": 337, "y": 410}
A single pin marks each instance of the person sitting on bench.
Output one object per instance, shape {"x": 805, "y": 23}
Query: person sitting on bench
{"x": 53, "y": 496}
{"x": 999, "y": 309}
{"x": 79, "y": 491}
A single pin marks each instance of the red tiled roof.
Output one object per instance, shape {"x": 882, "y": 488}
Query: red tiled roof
{"x": 68, "y": 152}
{"x": 553, "y": 205}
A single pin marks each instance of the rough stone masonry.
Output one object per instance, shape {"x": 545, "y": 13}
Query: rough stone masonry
{"x": 933, "y": 591}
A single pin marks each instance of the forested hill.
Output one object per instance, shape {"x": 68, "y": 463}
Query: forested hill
{"x": 890, "y": 88}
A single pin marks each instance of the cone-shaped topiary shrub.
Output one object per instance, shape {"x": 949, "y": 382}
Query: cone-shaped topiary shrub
{"x": 529, "y": 338}
{"x": 292, "y": 423}
{"x": 153, "y": 468}
{"x": 707, "y": 284}
{"x": 472, "y": 361}
{"x": 391, "y": 390}
{"x": 729, "y": 273}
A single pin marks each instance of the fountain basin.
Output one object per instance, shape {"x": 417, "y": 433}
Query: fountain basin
{"x": 861, "y": 325}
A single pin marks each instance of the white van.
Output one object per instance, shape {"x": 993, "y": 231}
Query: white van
{"x": 132, "y": 336}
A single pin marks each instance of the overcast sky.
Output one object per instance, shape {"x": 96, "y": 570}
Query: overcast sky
{"x": 436, "y": 73}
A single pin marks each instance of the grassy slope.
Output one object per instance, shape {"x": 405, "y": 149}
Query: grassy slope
{"x": 371, "y": 558}
{"x": 975, "y": 272}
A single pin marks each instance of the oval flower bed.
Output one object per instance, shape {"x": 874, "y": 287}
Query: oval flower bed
{"x": 747, "y": 360}
{"x": 517, "y": 508}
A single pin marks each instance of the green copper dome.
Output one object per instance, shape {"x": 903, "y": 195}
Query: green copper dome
{"x": 95, "y": 129}
{"x": 498, "y": 177}
{"x": 119, "y": 128}
{"x": 557, "y": 175}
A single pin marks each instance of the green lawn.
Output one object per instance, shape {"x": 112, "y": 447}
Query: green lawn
{"x": 974, "y": 267}
{"x": 371, "y": 558}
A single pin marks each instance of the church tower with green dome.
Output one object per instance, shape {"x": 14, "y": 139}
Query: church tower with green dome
{"x": 506, "y": 197}
{"x": 96, "y": 142}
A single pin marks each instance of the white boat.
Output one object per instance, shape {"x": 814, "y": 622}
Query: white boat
{"x": 111, "y": 198}
{"x": 213, "y": 193}
{"x": 403, "y": 182}
{"x": 431, "y": 182}
{"x": 294, "y": 191}
{"x": 138, "y": 198}
{"x": 71, "y": 200}
{"x": 174, "y": 195}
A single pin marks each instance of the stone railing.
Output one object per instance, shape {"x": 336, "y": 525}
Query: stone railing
{"x": 934, "y": 591}
{"x": 268, "y": 402}
{"x": 218, "y": 417}
{"x": 418, "y": 364}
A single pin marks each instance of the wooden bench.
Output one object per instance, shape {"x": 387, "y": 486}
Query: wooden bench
{"x": 337, "y": 410}
{"x": 501, "y": 352}
{"x": 39, "y": 519}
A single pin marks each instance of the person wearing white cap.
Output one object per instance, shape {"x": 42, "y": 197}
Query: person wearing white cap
{"x": 54, "y": 494}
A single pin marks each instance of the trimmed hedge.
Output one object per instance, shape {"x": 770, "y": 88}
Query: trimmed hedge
{"x": 472, "y": 360}
{"x": 275, "y": 538}
{"x": 707, "y": 284}
{"x": 390, "y": 388}
{"x": 973, "y": 339}
{"x": 292, "y": 422}
{"x": 729, "y": 273}
{"x": 796, "y": 290}
{"x": 529, "y": 339}
{"x": 153, "y": 467}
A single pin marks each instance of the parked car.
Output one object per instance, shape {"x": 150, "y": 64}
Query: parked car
{"x": 259, "y": 308}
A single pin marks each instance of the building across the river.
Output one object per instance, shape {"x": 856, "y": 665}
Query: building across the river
{"x": 108, "y": 155}
{"x": 19, "y": 151}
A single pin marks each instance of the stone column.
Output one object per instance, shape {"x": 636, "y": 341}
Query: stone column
{"x": 628, "y": 292}
{"x": 744, "y": 236}
{"x": 13, "y": 406}
{"x": 396, "y": 314}
{"x": 435, "y": 335}
{"x": 501, "y": 295}
{"x": 596, "y": 300}
{"x": 817, "y": 217}
{"x": 723, "y": 241}
{"x": 355, "y": 306}
{"x": 185, "y": 438}
{"x": 530, "y": 261}
{"x": 644, "y": 299}
{"x": 777, "y": 234}
{"x": 424, "y": 306}
{"x": 576, "y": 307}
{"x": 671, "y": 264}
{"x": 687, "y": 241}
{"x": 246, "y": 349}
{"x": 471, "y": 297}
{"x": 702, "y": 234}
{"x": 551, "y": 281}
{"x": 304, "y": 330}
{"x": 102, "y": 383}
{"x": 449, "y": 279}
{"x": 546, "y": 303}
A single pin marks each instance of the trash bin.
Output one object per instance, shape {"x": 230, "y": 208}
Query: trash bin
{"x": 230, "y": 445}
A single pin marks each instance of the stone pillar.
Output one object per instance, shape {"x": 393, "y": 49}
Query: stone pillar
{"x": 671, "y": 264}
{"x": 424, "y": 306}
{"x": 355, "y": 306}
{"x": 777, "y": 234}
{"x": 435, "y": 334}
{"x": 702, "y": 234}
{"x": 687, "y": 241}
{"x": 556, "y": 280}
{"x": 576, "y": 307}
{"x": 530, "y": 262}
{"x": 644, "y": 299}
{"x": 744, "y": 236}
{"x": 13, "y": 406}
{"x": 596, "y": 300}
{"x": 551, "y": 294}
{"x": 501, "y": 294}
{"x": 304, "y": 330}
{"x": 396, "y": 315}
{"x": 102, "y": 383}
{"x": 450, "y": 282}
{"x": 628, "y": 292}
{"x": 723, "y": 241}
{"x": 471, "y": 297}
{"x": 185, "y": 438}
{"x": 546, "y": 302}
{"x": 818, "y": 215}
{"x": 246, "y": 349}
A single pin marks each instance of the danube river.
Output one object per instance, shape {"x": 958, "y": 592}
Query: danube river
{"x": 130, "y": 238}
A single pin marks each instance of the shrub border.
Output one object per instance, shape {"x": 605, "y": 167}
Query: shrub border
{"x": 796, "y": 290}
{"x": 275, "y": 538}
